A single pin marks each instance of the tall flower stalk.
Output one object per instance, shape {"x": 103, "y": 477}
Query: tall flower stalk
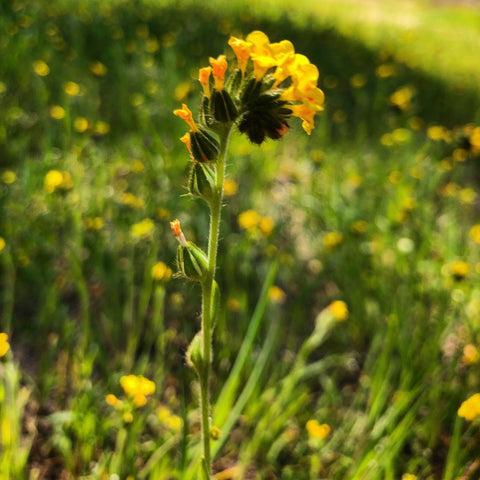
{"x": 269, "y": 85}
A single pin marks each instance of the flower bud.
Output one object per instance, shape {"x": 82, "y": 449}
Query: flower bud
{"x": 224, "y": 110}
{"x": 192, "y": 262}
{"x": 195, "y": 354}
{"x": 201, "y": 182}
{"x": 204, "y": 146}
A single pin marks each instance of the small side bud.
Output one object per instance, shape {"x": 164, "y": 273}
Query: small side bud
{"x": 224, "y": 110}
{"x": 201, "y": 182}
{"x": 192, "y": 262}
{"x": 195, "y": 354}
{"x": 204, "y": 146}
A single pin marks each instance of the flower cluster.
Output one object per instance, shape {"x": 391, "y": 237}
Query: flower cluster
{"x": 270, "y": 84}
{"x": 136, "y": 387}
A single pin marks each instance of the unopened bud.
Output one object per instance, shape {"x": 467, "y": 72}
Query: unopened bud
{"x": 224, "y": 110}
{"x": 204, "y": 146}
{"x": 192, "y": 262}
{"x": 195, "y": 354}
{"x": 201, "y": 182}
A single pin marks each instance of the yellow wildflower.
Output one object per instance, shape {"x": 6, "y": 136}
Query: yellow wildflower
{"x": 128, "y": 417}
{"x": 112, "y": 400}
{"x": 230, "y": 187}
{"x": 248, "y": 220}
{"x": 470, "y": 354}
{"x": 185, "y": 114}
{"x": 266, "y": 225}
{"x": 339, "y": 310}
{"x": 41, "y": 68}
{"x": 358, "y": 80}
{"x": 71, "y": 88}
{"x": 386, "y": 70}
{"x": 143, "y": 228}
{"x": 402, "y": 98}
{"x": 95, "y": 223}
{"x": 332, "y": 240}
{"x": 9, "y": 177}
{"x": 57, "y": 112}
{"x": 219, "y": 67}
{"x": 4, "y": 345}
{"x": 475, "y": 233}
{"x": 2, "y": 244}
{"x": 137, "y": 385}
{"x": 204, "y": 79}
{"x": 241, "y": 48}
{"x": 276, "y": 294}
{"x": 470, "y": 408}
{"x": 317, "y": 430}
{"x": 57, "y": 181}
{"x": 460, "y": 269}
{"x": 80, "y": 124}
{"x": 437, "y": 132}
{"x": 161, "y": 272}
{"x": 101, "y": 128}
{"x": 409, "y": 476}
{"x": 98, "y": 69}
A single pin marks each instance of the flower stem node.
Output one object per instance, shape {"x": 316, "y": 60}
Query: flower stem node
{"x": 201, "y": 182}
{"x": 195, "y": 355}
{"x": 224, "y": 110}
{"x": 192, "y": 262}
{"x": 204, "y": 146}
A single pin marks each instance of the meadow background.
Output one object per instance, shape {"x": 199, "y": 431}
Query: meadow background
{"x": 349, "y": 262}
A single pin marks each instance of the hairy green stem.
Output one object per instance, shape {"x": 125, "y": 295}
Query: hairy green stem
{"x": 207, "y": 294}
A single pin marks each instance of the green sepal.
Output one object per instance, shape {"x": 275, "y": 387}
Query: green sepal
{"x": 194, "y": 354}
{"x": 233, "y": 82}
{"x": 224, "y": 110}
{"x": 205, "y": 111}
{"x": 201, "y": 182}
{"x": 251, "y": 91}
{"x": 204, "y": 146}
{"x": 192, "y": 262}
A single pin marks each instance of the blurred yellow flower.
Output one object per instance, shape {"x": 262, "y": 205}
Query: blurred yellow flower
{"x": 276, "y": 294}
{"x": 409, "y": 476}
{"x": 386, "y": 70}
{"x": 475, "y": 233}
{"x": 248, "y": 220}
{"x": 415, "y": 123}
{"x": 128, "y": 417}
{"x": 339, "y": 310}
{"x": 152, "y": 45}
{"x": 332, "y": 240}
{"x": 359, "y": 226}
{"x": 142, "y": 229}
{"x": 57, "y": 112}
{"x": 402, "y": 98}
{"x": 230, "y": 187}
{"x": 80, "y": 124}
{"x": 163, "y": 213}
{"x": 168, "y": 419}
{"x": 112, "y": 400}
{"x": 395, "y": 177}
{"x": 56, "y": 180}
{"x": 470, "y": 408}
{"x": 101, "y": 128}
{"x": 71, "y": 88}
{"x": 467, "y": 196}
{"x": 317, "y": 430}
{"x": 358, "y": 80}
{"x": 41, "y": 68}
{"x": 137, "y": 387}
{"x": 98, "y": 69}
{"x": 233, "y": 305}
{"x": 4, "y": 345}
{"x": 2, "y": 244}
{"x": 460, "y": 155}
{"x": 266, "y": 225}
{"x": 8, "y": 177}
{"x": 437, "y": 132}
{"x": 161, "y": 272}
{"x": 95, "y": 223}
{"x": 137, "y": 166}
{"x": 459, "y": 269}
{"x": 470, "y": 354}
{"x": 131, "y": 200}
